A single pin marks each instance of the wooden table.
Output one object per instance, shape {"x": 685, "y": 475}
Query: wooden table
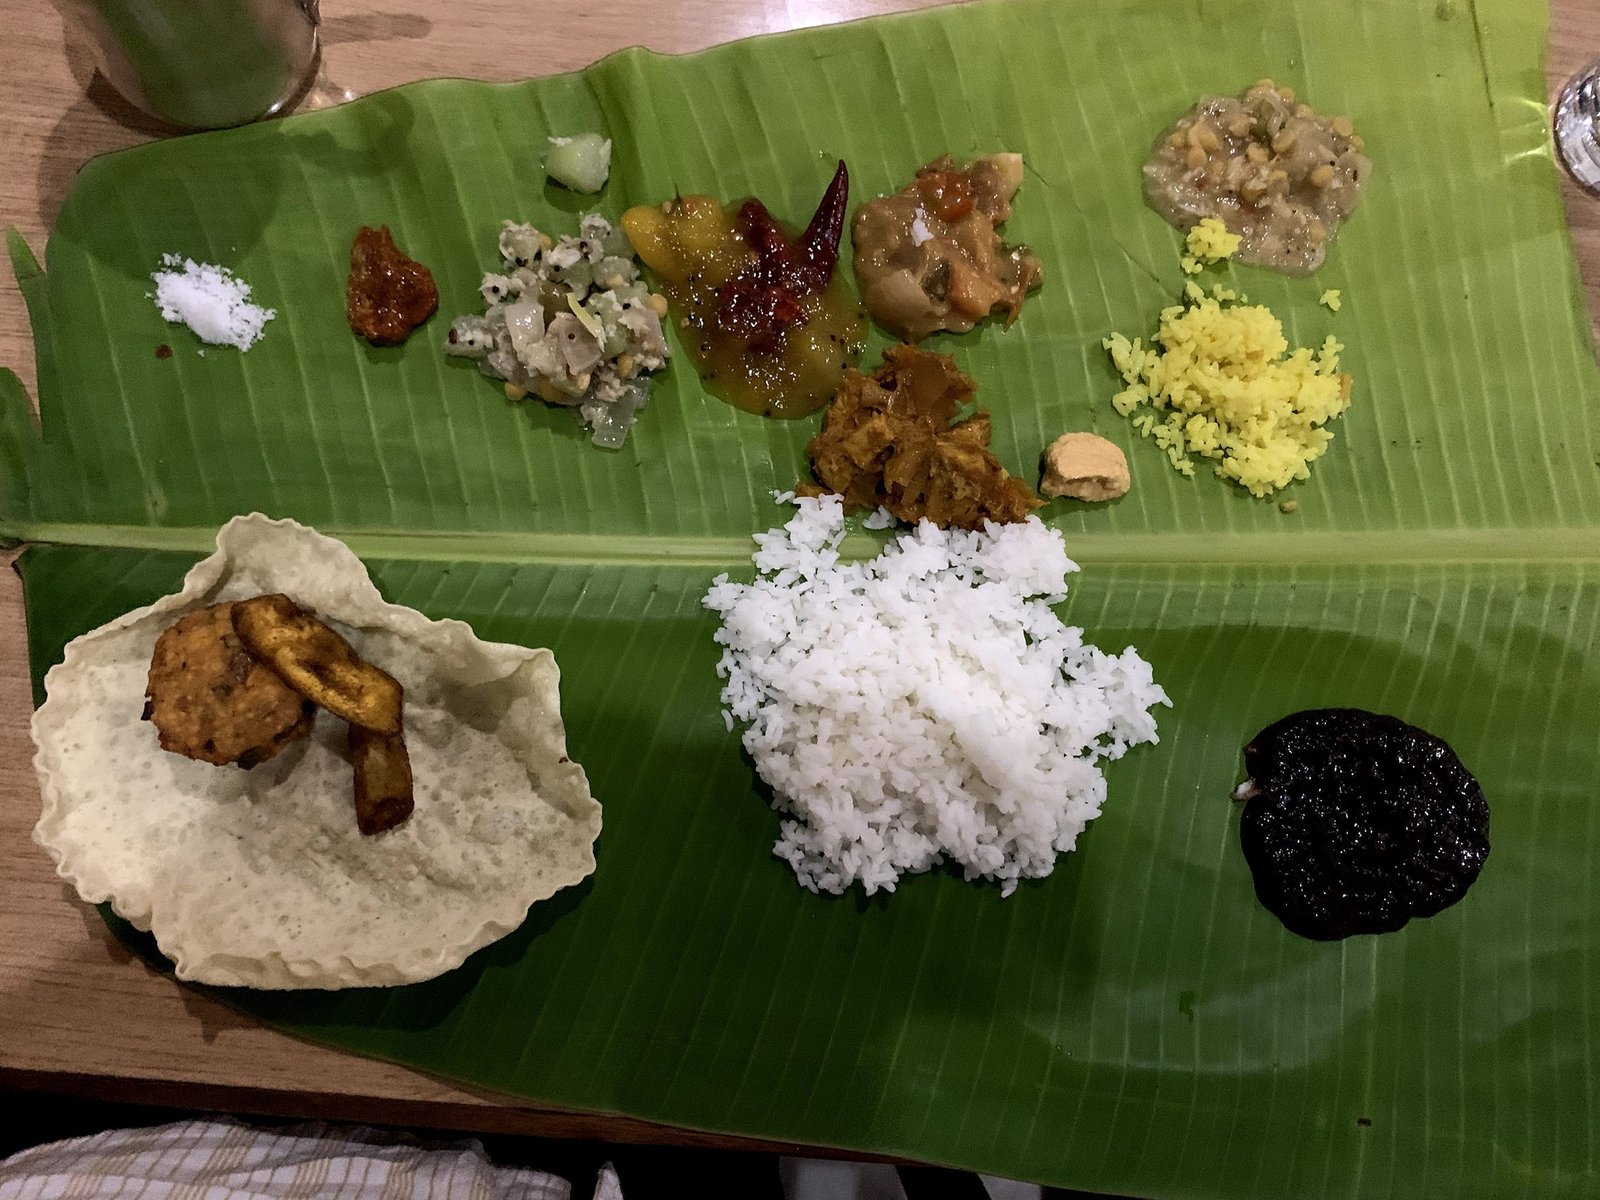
{"x": 77, "y": 1012}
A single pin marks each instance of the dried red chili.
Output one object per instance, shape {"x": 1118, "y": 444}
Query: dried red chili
{"x": 763, "y": 300}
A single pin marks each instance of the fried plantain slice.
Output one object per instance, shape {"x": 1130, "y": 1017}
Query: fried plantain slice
{"x": 211, "y": 699}
{"x": 317, "y": 663}
{"x": 383, "y": 779}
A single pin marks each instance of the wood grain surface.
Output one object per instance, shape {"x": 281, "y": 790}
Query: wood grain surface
{"x": 78, "y": 1014}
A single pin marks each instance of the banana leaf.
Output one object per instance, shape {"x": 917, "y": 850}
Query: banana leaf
{"x": 1134, "y": 1023}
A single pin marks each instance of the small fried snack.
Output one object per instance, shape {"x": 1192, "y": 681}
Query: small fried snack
{"x": 317, "y": 663}
{"x": 210, "y": 699}
{"x": 383, "y": 780}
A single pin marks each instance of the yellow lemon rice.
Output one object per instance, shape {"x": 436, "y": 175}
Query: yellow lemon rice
{"x": 1209, "y": 241}
{"x": 1218, "y": 381}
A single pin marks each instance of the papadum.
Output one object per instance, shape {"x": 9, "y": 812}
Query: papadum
{"x": 260, "y": 877}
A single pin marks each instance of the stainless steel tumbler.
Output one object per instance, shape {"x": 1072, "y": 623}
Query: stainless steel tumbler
{"x": 204, "y": 64}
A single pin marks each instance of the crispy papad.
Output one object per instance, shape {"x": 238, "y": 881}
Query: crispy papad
{"x": 260, "y": 878}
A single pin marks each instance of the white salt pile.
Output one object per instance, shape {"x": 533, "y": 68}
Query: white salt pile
{"x": 210, "y": 301}
{"x": 925, "y": 704}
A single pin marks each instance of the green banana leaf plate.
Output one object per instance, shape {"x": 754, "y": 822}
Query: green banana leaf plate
{"x": 1135, "y": 1023}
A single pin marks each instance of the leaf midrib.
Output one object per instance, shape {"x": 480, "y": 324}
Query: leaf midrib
{"x": 640, "y": 550}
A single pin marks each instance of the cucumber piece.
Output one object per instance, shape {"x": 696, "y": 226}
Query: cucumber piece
{"x": 581, "y": 162}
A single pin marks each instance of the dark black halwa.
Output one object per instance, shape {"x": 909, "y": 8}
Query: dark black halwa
{"x": 1355, "y": 822}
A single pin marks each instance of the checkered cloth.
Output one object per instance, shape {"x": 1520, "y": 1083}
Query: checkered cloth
{"x": 224, "y": 1160}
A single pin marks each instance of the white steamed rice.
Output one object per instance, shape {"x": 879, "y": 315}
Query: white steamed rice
{"x": 923, "y": 705}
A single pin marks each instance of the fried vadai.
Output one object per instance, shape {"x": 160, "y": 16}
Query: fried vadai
{"x": 211, "y": 699}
